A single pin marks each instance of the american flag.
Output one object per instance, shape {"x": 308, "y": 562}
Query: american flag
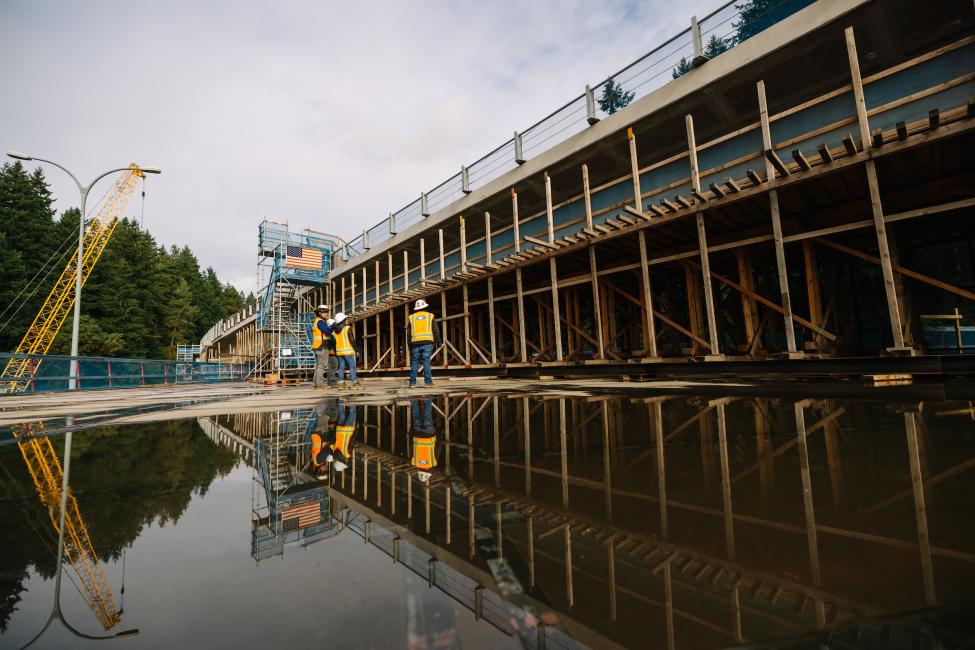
{"x": 307, "y": 514}
{"x": 303, "y": 258}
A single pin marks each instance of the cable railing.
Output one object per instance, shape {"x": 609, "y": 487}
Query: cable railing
{"x": 52, "y": 373}
{"x": 717, "y": 32}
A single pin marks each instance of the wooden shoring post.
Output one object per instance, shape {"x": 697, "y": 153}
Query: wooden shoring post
{"x": 406, "y": 271}
{"x": 518, "y": 279}
{"x": 489, "y": 259}
{"x": 375, "y": 300}
{"x": 920, "y": 510}
{"x": 423, "y": 262}
{"x": 467, "y": 325}
{"x": 747, "y": 280}
{"x": 443, "y": 272}
{"x": 392, "y": 341}
{"x": 729, "y": 522}
{"x": 875, "y": 204}
{"x": 651, "y": 331}
{"x": 773, "y": 199}
{"x": 444, "y": 333}
{"x": 813, "y": 287}
{"x": 549, "y": 213}
{"x": 343, "y": 293}
{"x": 634, "y": 170}
{"x": 462, "y": 227}
{"x": 365, "y": 287}
{"x": 365, "y": 343}
{"x": 702, "y": 241}
{"x": 597, "y": 311}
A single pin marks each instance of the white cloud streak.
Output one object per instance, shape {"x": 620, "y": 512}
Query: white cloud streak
{"x": 322, "y": 114}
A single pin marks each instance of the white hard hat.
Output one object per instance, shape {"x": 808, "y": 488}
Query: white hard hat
{"x": 322, "y": 308}
{"x": 330, "y": 322}
{"x": 339, "y": 466}
{"x": 339, "y": 317}
{"x": 424, "y": 476}
{"x": 420, "y": 304}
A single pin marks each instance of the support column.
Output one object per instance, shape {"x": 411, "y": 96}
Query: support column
{"x": 749, "y": 307}
{"x": 773, "y": 199}
{"x": 518, "y": 280}
{"x": 443, "y": 271}
{"x": 702, "y": 241}
{"x": 651, "y": 332}
{"x": 423, "y": 262}
{"x": 597, "y": 311}
{"x": 489, "y": 259}
{"x": 556, "y": 319}
{"x": 813, "y": 289}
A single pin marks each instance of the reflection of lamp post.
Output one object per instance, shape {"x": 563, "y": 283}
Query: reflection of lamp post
{"x": 56, "y": 613}
{"x": 73, "y": 374}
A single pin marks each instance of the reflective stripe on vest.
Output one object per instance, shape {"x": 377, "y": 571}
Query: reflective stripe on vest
{"x": 424, "y": 456}
{"x": 343, "y": 345}
{"x": 343, "y": 437}
{"x": 317, "y": 336}
{"x": 421, "y": 327}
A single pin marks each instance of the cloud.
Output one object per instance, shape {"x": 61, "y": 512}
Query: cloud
{"x": 325, "y": 115}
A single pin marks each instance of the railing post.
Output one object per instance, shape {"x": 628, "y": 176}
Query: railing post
{"x": 591, "y": 107}
{"x": 519, "y": 150}
{"x": 424, "y": 205}
{"x": 33, "y": 370}
{"x": 109, "y": 373}
{"x": 465, "y": 179}
{"x": 142, "y": 373}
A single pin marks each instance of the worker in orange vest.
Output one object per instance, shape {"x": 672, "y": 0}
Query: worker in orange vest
{"x": 321, "y": 428}
{"x": 340, "y": 443}
{"x": 345, "y": 350}
{"x": 323, "y": 345}
{"x": 423, "y": 440}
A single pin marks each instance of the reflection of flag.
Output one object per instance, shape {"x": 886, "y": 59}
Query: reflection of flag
{"x": 306, "y": 514}
{"x": 303, "y": 258}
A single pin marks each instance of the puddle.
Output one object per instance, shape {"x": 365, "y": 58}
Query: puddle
{"x": 493, "y": 520}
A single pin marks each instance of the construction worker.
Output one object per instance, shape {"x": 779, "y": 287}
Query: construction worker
{"x": 423, "y": 441}
{"x": 322, "y": 343}
{"x": 424, "y": 335}
{"x": 321, "y": 428}
{"x": 345, "y": 350}
{"x": 340, "y": 444}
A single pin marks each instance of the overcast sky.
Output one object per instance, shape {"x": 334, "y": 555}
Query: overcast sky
{"x": 322, "y": 114}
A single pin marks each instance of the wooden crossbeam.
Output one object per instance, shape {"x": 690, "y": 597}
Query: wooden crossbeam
{"x": 934, "y": 118}
{"x": 971, "y": 107}
{"x": 656, "y": 209}
{"x": 670, "y": 205}
{"x": 682, "y": 201}
{"x": 637, "y": 213}
{"x": 698, "y": 195}
{"x": 765, "y": 301}
{"x": 824, "y": 153}
{"x": 626, "y": 219}
{"x": 958, "y": 291}
{"x": 850, "y": 144}
{"x": 753, "y": 175}
{"x": 801, "y": 159}
{"x": 878, "y": 137}
{"x": 718, "y": 191}
{"x": 776, "y": 162}
{"x": 538, "y": 242}
{"x": 902, "y": 130}
{"x": 677, "y": 326}
{"x": 732, "y": 184}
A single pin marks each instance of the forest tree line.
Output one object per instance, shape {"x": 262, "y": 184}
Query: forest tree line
{"x": 141, "y": 300}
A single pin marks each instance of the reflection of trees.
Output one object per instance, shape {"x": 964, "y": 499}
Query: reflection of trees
{"x": 124, "y": 479}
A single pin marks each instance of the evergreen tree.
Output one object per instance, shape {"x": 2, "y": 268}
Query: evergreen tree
{"x": 712, "y": 48}
{"x": 180, "y": 316}
{"x": 614, "y": 97}
{"x": 758, "y": 15}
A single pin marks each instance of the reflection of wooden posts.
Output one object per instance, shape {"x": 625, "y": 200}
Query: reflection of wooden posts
{"x": 656, "y": 412}
{"x": 669, "y": 605}
{"x": 570, "y": 593}
{"x": 499, "y": 532}
{"x": 611, "y": 563}
{"x": 773, "y": 197}
{"x": 470, "y": 526}
{"x": 526, "y": 419}
{"x": 470, "y": 439}
{"x": 531, "y": 551}
{"x": 702, "y": 240}
{"x": 447, "y": 501}
{"x": 497, "y": 445}
{"x": 812, "y": 540}
{"x": 426, "y": 508}
{"x": 920, "y": 510}
{"x": 875, "y": 204}
{"x": 835, "y": 459}
{"x": 729, "y": 523}
{"x": 563, "y": 454}
{"x": 763, "y": 450}
{"x": 607, "y": 465}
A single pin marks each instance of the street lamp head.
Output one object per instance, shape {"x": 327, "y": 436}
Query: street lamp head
{"x": 18, "y": 155}
{"x": 125, "y": 634}
{"x": 150, "y": 170}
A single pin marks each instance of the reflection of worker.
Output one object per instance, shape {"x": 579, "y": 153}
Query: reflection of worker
{"x": 423, "y": 439}
{"x": 340, "y": 444}
{"x": 321, "y": 428}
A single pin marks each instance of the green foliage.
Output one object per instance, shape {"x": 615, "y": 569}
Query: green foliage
{"x": 614, "y": 97}
{"x": 128, "y": 302}
{"x": 758, "y": 15}
{"x": 713, "y": 48}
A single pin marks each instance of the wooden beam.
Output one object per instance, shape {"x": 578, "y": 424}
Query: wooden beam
{"x": 801, "y": 159}
{"x": 776, "y": 162}
{"x": 651, "y": 342}
{"x": 824, "y": 153}
{"x": 587, "y": 196}
{"x": 858, "y": 99}
{"x": 901, "y": 130}
{"x": 753, "y": 175}
{"x": 549, "y": 216}
{"x": 634, "y": 168}
{"x": 702, "y": 240}
{"x": 850, "y": 145}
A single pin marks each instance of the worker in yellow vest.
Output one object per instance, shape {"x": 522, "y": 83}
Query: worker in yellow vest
{"x": 321, "y": 429}
{"x": 345, "y": 350}
{"x": 424, "y": 335}
{"x": 340, "y": 445}
{"x": 423, "y": 439}
{"x": 322, "y": 343}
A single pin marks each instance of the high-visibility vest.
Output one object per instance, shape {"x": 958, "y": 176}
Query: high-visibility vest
{"x": 421, "y": 327}
{"x": 317, "y": 336}
{"x": 424, "y": 453}
{"x": 343, "y": 344}
{"x": 343, "y": 438}
{"x": 316, "y": 447}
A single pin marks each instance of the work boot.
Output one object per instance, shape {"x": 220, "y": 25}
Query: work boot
{"x": 410, "y": 386}
{"x": 343, "y": 386}
{"x": 430, "y": 385}
{"x": 356, "y": 385}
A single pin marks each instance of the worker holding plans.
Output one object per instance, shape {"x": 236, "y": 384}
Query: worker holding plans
{"x": 424, "y": 335}
{"x": 345, "y": 351}
{"x": 323, "y": 345}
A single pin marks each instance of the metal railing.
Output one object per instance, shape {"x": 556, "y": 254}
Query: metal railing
{"x": 717, "y": 32}
{"x": 51, "y": 373}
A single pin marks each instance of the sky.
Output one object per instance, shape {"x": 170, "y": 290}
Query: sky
{"x": 320, "y": 114}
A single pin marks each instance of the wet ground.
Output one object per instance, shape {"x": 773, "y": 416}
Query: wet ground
{"x": 556, "y": 518}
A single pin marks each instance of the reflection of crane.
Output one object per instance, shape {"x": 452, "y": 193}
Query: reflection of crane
{"x": 40, "y": 335}
{"x": 45, "y": 468}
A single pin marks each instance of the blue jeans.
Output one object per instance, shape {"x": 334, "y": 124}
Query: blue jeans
{"x": 347, "y": 362}
{"x": 421, "y": 353}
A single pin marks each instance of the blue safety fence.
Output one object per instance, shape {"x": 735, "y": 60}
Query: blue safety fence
{"x": 43, "y": 373}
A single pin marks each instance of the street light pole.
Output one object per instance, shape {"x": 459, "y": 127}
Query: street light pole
{"x": 83, "y": 189}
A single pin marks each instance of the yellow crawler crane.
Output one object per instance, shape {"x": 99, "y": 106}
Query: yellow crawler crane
{"x": 42, "y": 332}
{"x": 45, "y": 468}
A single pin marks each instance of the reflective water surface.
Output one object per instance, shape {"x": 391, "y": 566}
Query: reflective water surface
{"x": 501, "y": 520}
